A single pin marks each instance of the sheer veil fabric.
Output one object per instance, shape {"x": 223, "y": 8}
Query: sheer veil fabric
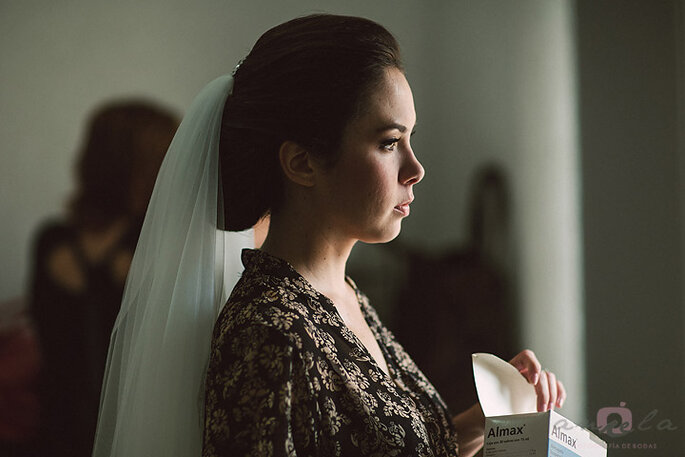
{"x": 151, "y": 401}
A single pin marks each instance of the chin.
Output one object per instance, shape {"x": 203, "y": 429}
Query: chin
{"x": 384, "y": 235}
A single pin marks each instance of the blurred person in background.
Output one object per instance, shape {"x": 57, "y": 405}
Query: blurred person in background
{"x": 80, "y": 265}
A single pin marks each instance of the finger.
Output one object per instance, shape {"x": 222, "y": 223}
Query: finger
{"x": 527, "y": 364}
{"x": 542, "y": 392}
{"x": 561, "y": 394}
{"x": 553, "y": 392}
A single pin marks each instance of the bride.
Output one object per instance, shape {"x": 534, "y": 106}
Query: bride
{"x": 314, "y": 131}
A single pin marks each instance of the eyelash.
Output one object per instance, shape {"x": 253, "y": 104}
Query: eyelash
{"x": 391, "y": 143}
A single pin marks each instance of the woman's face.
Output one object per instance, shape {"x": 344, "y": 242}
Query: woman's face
{"x": 368, "y": 191}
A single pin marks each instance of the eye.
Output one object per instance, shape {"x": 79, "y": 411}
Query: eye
{"x": 390, "y": 144}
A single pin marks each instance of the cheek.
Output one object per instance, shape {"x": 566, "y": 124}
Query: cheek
{"x": 373, "y": 184}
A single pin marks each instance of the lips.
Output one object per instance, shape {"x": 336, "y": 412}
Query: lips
{"x": 403, "y": 208}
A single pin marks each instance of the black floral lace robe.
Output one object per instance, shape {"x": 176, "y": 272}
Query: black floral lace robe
{"x": 288, "y": 378}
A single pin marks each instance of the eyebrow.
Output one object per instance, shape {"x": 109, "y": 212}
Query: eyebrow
{"x": 394, "y": 126}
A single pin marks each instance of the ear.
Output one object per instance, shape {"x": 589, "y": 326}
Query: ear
{"x": 297, "y": 163}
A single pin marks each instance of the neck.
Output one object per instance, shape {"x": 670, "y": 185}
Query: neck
{"x": 315, "y": 252}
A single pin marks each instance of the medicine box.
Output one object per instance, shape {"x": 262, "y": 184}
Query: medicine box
{"x": 546, "y": 434}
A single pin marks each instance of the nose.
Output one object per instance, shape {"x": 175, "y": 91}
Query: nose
{"x": 412, "y": 171}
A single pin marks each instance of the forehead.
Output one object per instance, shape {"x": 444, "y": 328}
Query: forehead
{"x": 390, "y": 103}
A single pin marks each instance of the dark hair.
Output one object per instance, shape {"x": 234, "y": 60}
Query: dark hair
{"x": 124, "y": 139}
{"x": 303, "y": 81}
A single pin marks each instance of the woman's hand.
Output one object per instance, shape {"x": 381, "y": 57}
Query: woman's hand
{"x": 550, "y": 391}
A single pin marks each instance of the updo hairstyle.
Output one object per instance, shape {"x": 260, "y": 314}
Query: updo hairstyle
{"x": 303, "y": 81}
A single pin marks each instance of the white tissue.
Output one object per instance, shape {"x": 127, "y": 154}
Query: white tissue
{"x": 502, "y": 390}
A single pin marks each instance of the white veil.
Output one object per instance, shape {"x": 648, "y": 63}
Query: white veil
{"x": 152, "y": 394}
